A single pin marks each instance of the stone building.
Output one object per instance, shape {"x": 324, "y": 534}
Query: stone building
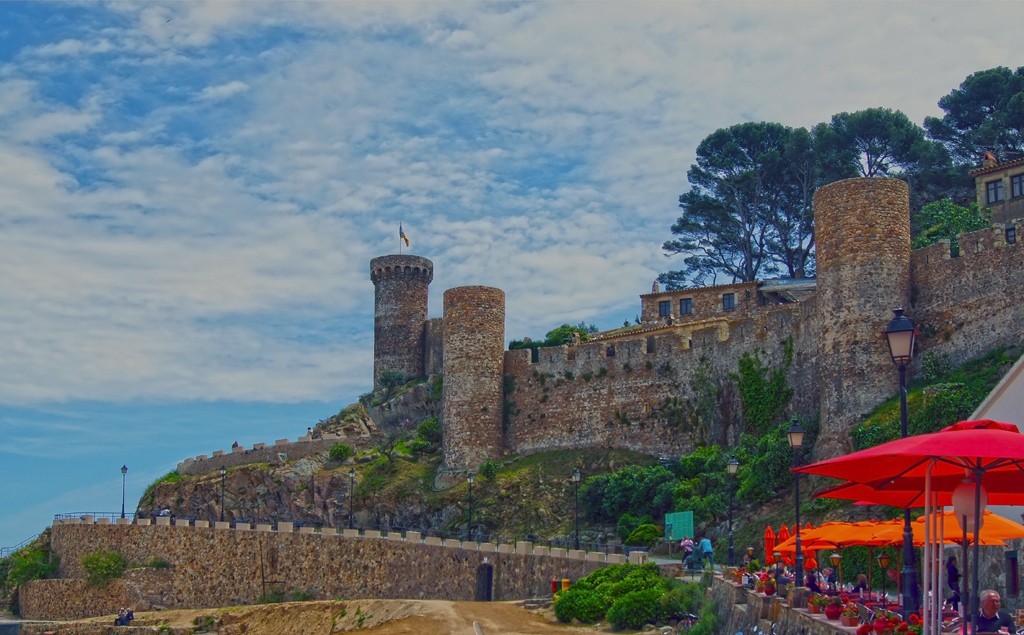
{"x": 644, "y": 387}
{"x": 1000, "y": 187}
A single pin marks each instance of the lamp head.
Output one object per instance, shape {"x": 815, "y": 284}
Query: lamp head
{"x": 835, "y": 559}
{"x": 470, "y": 478}
{"x": 732, "y": 466}
{"x": 884, "y": 559}
{"x": 750, "y": 550}
{"x": 124, "y": 469}
{"x": 352, "y": 473}
{"x": 796, "y": 434}
{"x": 900, "y": 335}
{"x": 223, "y": 470}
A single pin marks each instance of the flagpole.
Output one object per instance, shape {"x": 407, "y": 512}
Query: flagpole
{"x": 399, "y": 238}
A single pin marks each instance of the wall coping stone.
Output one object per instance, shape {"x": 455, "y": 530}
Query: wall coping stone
{"x": 541, "y": 551}
{"x": 258, "y": 446}
{"x": 221, "y": 525}
{"x": 286, "y": 528}
{"x": 282, "y": 442}
{"x": 103, "y": 521}
{"x": 506, "y": 549}
{"x": 242, "y": 526}
{"x": 432, "y": 540}
{"x": 264, "y": 527}
{"x": 576, "y": 554}
{"x": 182, "y": 522}
{"x": 304, "y": 530}
{"x": 524, "y": 547}
{"x": 371, "y": 533}
{"x": 488, "y": 546}
{"x": 328, "y": 531}
{"x": 87, "y": 519}
{"x": 124, "y": 521}
{"x": 413, "y": 536}
{"x": 351, "y": 533}
{"x": 203, "y": 524}
{"x": 596, "y": 556}
{"x": 143, "y": 522}
{"x": 616, "y": 558}
{"x": 238, "y": 449}
{"x": 638, "y": 557}
{"x": 217, "y": 453}
{"x": 558, "y": 552}
{"x": 164, "y": 521}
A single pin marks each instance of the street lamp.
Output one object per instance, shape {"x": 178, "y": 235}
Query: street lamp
{"x": 796, "y": 439}
{"x": 900, "y": 335}
{"x": 837, "y": 562}
{"x": 351, "y": 497}
{"x": 883, "y": 562}
{"x": 732, "y": 466}
{"x": 469, "y": 526}
{"x": 223, "y": 476}
{"x": 778, "y": 567}
{"x": 124, "y": 477}
{"x": 576, "y": 483}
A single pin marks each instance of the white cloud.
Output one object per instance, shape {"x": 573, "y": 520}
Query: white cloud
{"x": 222, "y": 92}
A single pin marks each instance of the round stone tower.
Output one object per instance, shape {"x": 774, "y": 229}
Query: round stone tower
{"x": 863, "y": 257}
{"x": 399, "y": 313}
{"x": 474, "y": 355}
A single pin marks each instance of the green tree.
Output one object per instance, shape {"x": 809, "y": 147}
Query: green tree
{"x": 390, "y": 380}
{"x": 102, "y": 565}
{"x": 945, "y": 219}
{"x": 985, "y": 113}
{"x": 30, "y": 563}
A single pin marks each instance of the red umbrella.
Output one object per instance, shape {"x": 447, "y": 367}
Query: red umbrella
{"x": 769, "y": 545}
{"x": 784, "y": 533}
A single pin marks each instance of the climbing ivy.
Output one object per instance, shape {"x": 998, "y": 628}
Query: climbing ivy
{"x": 763, "y": 388}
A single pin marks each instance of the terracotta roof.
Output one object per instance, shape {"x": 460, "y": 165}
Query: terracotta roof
{"x": 717, "y": 286}
{"x": 655, "y": 329}
{"x": 996, "y": 168}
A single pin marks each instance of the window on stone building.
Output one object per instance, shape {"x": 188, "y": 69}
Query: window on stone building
{"x": 664, "y": 308}
{"x": 729, "y": 301}
{"x": 610, "y": 351}
{"x": 650, "y": 344}
{"x": 1017, "y": 185}
{"x": 994, "y": 191}
{"x": 686, "y": 306}
{"x": 1011, "y": 234}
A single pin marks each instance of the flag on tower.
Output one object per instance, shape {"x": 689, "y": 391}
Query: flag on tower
{"x": 401, "y": 234}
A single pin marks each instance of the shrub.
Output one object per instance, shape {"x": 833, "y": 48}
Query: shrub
{"x": 340, "y": 452}
{"x": 391, "y": 379}
{"x": 30, "y": 563}
{"x": 489, "y": 469}
{"x": 101, "y": 566}
{"x": 628, "y": 522}
{"x": 301, "y": 596}
{"x": 419, "y": 445}
{"x": 644, "y": 536}
{"x": 430, "y": 429}
{"x": 635, "y": 609}
{"x": 273, "y": 596}
{"x": 158, "y": 563}
{"x": 582, "y": 604}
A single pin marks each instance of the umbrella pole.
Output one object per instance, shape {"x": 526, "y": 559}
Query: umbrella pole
{"x": 974, "y": 572}
{"x": 965, "y": 597}
{"x": 871, "y": 557}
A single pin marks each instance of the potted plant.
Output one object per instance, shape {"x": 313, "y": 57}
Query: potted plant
{"x": 834, "y": 608}
{"x": 769, "y": 585}
{"x": 849, "y": 616}
{"x": 817, "y": 603}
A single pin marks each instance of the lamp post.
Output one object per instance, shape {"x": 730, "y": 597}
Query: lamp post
{"x": 223, "y": 476}
{"x": 732, "y": 466}
{"x": 796, "y": 439}
{"x": 576, "y": 484}
{"x": 837, "y": 562}
{"x": 883, "y": 563}
{"x": 124, "y": 478}
{"x": 469, "y": 526}
{"x": 900, "y": 335}
{"x": 351, "y": 497}
{"x": 778, "y": 567}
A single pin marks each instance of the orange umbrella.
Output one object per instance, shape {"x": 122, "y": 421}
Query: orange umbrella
{"x": 769, "y": 545}
{"x": 784, "y": 533}
{"x": 995, "y": 529}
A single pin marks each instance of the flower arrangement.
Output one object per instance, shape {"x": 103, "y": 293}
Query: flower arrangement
{"x": 819, "y": 600}
{"x": 850, "y": 610}
{"x": 835, "y": 601}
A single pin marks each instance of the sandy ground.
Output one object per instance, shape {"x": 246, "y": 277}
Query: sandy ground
{"x": 422, "y": 617}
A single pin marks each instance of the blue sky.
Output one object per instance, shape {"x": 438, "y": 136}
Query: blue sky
{"x": 190, "y": 193}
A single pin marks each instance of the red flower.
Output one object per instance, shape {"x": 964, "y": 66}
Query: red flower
{"x": 914, "y": 619}
{"x": 865, "y": 629}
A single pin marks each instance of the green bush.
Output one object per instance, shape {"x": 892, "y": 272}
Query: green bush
{"x": 301, "y": 596}
{"x": 708, "y": 622}
{"x": 149, "y": 495}
{"x": 158, "y": 563}
{"x": 101, "y": 566}
{"x": 628, "y": 522}
{"x": 419, "y": 445}
{"x": 582, "y": 604}
{"x": 489, "y": 469}
{"x": 644, "y": 536}
{"x": 273, "y": 596}
{"x": 635, "y": 609}
{"x": 430, "y": 429}
{"x": 30, "y": 563}
{"x": 340, "y": 452}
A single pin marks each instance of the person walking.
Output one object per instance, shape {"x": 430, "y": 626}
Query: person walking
{"x": 705, "y": 549}
{"x": 953, "y": 582}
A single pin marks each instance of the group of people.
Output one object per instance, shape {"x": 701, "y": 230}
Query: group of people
{"x": 697, "y": 552}
{"x": 124, "y": 617}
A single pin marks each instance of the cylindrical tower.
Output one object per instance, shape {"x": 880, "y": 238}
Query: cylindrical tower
{"x": 399, "y": 313}
{"x": 474, "y": 343}
{"x": 862, "y": 238}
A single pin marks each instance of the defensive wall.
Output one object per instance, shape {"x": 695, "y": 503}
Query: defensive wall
{"x": 263, "y": 453}
{"x": 639, "y": 393}
{"x": 221, "y": 566}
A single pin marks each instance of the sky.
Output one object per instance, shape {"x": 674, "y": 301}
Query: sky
{"x": 190, "y": 193}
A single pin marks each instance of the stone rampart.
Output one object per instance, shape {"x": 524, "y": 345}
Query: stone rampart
{"x": 264, "y": 453}
{"x": 964, "y": 306}
{"x": 219, "y": 567}
{"x": 638, "y": 394}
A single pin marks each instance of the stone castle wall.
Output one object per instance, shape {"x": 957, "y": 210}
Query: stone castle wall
{"x": 221, "y": 567}
{"x": 612, "y": 394}
{"x": 474, "y": 343}
{"x": 399, "y": 313}
{"x": 863, "y": 260}
{"x": 433, "y": 347}
{"x": 964, "y": 306}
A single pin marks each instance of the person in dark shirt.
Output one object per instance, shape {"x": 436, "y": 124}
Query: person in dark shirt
{"x": 953, "y": 582}
{"x": 812, "y": 582}
{"x": 990, "y": 618}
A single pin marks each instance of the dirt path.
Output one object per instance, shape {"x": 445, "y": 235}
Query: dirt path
{"x": 394, "y": 617}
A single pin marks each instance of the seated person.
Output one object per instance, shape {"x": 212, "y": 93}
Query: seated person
{"x": 812, "y": 583}
{"x": 990, "y": 618}
{"x": 862, "y": 583}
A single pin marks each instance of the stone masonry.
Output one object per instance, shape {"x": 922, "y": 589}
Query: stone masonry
{"x": 474, "y": 343}
{"x": 399, "y": 313}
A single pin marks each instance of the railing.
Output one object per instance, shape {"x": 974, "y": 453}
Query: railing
{"x": 6, "y": 551}
{"x": 95, "y": 515}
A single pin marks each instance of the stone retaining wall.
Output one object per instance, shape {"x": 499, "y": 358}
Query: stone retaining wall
{"x": 220, "y": 567}
{"x": 263, "y": 453}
